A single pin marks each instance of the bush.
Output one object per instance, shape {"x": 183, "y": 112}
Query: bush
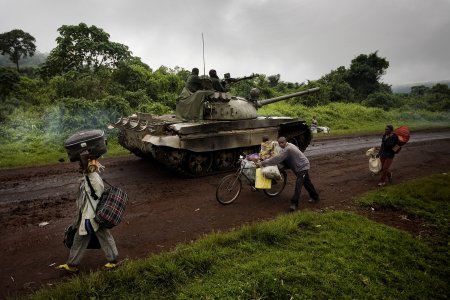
{"x": 382, "y": 100}
{"x": 154, "y": 108}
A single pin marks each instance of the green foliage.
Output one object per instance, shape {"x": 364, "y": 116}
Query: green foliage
{"x": 111, "y": 108}
{"x": 382, "y": 100}
{"x": 273, "y": 80}
{"x": 71, "y": 115}
{"x": 335, "y": 88}
{"x": 132, "y": 74}
{"x": 80, "y": 47}
{"x": 365, "y": 72}
{"x": 154, "y": 108}
{"x": 425, "y": 198}
{"x": 136, "y": 98}
{"x": 301, "y": 256}
{"x": 17, "y": 44}
{"x": 352, "y": 117}
{"x": 92, "y": 88}
{"x": 436, "y": 98}
{"x": 9, "y": 80}
{"x": 82, "y": 84}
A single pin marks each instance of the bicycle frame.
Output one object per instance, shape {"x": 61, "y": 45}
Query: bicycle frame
{"x": 230, "y": 186}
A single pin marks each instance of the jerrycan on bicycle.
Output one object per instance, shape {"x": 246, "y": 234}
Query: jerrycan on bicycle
{"x": 262, "y": 182}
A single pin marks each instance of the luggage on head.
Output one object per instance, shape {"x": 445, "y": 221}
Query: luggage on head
{"x": 93, "y": 141}
{"x": 403, "y": 135}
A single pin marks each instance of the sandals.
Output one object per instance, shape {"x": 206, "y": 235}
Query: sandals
{"x": 67, "y": 268}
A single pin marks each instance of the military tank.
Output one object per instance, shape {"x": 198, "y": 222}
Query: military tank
{"x": 209, "y": 131}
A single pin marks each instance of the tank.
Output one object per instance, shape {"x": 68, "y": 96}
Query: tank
{"x": 209, "y": 131}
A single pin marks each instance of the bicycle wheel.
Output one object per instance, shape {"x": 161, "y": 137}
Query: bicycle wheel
{"x": 229, "y": 189}
{"x": 277, "y": 185}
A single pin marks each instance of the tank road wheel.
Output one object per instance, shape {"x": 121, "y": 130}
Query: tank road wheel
{"x": 174, "y": 158}
{"x": 224, "y": 160}
{"x": 198, "y": 163}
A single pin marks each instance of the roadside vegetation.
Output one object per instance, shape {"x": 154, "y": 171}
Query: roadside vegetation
{"x": 88, "y": 81}
{"x": 329, "y": 255}
{"x": 427, "y": 199}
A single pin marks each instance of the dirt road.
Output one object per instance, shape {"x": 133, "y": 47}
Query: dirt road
{"x": 165, "y": 210}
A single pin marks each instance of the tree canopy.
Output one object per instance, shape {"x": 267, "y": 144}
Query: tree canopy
{"x": 365, "y": 73}
{"x": 80, "y": 47}
{"x": 17, "y": 44}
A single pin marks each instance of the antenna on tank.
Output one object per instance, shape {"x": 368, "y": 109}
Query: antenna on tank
{"x": 203, "y": 43}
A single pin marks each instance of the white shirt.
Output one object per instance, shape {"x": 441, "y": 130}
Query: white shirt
{"x": 85, "y": 200}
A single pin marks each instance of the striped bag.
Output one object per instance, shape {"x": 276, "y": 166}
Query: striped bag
{"x": 111, "y": 206}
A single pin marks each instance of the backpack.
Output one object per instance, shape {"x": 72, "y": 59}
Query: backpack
{"x": 111, "y": 205}
{"x": 403, "y": 135}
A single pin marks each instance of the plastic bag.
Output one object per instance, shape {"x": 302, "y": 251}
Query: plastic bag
{"x": 271, "y": 172}
{"x": 375, "y": 165}
{"x": 262, "y": 182}
{"x": 249, "y": 170}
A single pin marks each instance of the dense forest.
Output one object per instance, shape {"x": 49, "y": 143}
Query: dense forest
{"x": 87, "y": 81}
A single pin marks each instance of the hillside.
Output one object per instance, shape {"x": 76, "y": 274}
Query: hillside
{"x": 406, "y": 88}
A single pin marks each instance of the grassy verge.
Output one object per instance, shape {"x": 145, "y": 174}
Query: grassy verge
{"x": 350, "y": 118}
{"x": 332, "y": 255}
{"x": 38, "y": 151}
{"x": 427, "y": 198}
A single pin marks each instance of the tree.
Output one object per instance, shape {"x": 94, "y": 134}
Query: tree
{"x": 17, "y": 44}
{"x": 365, "y": 73}
{"x": 439, "y": 97}
{"x": 380, "y": 99}
{"x": 132, "y": 74}
{"x": 9, "y": 80}
{"x": 339, "y": 89}
{"x": 273, "y": 80}
{"x": 81, "y": 47}
{"x": 419, "y": 90}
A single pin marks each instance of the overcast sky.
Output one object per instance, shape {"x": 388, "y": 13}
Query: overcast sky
{"x": 298, "y": 39}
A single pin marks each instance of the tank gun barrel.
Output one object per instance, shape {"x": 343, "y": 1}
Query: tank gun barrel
{"x": 277, "y": 99}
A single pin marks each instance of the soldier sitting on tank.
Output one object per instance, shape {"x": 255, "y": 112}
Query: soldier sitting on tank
{"x": 217, "y": 86}
{"x": 194, "y": 82}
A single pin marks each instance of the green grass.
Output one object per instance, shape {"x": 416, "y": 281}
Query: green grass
{"x": 307, "y": 255}
{"x": 36, "y": 151}
{"x": 427, "y": 198}
{"x": 350, "y": 118}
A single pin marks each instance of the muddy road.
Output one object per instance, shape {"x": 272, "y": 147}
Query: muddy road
{"x": 165, "y": 210}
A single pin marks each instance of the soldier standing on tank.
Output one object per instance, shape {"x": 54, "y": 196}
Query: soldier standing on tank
{"x": 216, "y": 81}
{"x": 193, "y": 82}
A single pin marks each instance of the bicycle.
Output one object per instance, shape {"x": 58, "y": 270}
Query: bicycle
{"x": 231, "y": 185}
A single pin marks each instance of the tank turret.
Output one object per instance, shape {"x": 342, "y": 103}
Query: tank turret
{"x": 222, "y": 106}
{"x": 209, "y": 131}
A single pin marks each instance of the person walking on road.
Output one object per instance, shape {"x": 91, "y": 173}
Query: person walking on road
{"x": 387, "y": 152}
{"x": 295, "y": 160}
{"x": 87, "y": 227}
